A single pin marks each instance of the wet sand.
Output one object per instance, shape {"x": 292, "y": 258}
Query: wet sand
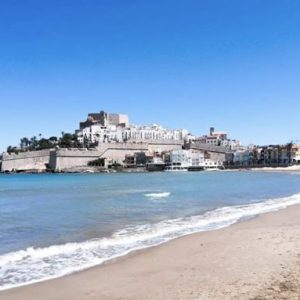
{"x": 254, "y": 259}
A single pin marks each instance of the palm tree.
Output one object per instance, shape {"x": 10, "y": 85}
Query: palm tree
{"x": 33, "y": 141}
{"x": 24, "y": 142}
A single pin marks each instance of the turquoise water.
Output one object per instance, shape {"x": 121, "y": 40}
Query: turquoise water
{"x": 52, "y": 225}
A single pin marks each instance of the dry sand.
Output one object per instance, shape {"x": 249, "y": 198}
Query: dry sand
{"x": 295, "y": 168}
{"x": 255, "y": 259}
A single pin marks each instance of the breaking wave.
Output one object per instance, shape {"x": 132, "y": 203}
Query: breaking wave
{"x": 158, "y": 195}
{"x": 39, "y": 264}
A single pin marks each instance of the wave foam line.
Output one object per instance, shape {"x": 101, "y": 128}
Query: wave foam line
{"x": 38, "y": 264}
{"x": 158, "y": 195}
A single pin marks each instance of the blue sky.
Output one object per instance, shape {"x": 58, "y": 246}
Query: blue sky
{"x": 188, "y": 64}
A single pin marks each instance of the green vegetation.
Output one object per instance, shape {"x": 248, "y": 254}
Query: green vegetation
{"x": 100, "y": 162}
{"x": 67, "y": 140}
{"x": 115, "y": 166}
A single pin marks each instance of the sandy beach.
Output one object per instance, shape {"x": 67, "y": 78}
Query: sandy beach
{"x": 295, "y": 168}
{"x": 254, "y": 259}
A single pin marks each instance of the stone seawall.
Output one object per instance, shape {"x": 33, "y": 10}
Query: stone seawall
{"x": 70, "y": 158}
{"x": 26, "y": 161}
{"x": 65, "y": 159}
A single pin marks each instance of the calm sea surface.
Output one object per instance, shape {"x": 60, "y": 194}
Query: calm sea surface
{"x": 52, "y": 225}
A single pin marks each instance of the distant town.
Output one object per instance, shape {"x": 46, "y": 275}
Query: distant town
{"x": 107, "y": 142}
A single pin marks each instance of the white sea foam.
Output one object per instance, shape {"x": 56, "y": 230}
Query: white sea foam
{"x": 158, "y": 195}
{"x": 39, "y": 264}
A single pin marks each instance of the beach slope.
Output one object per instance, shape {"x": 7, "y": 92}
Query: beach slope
{"x": 254, "y": 259}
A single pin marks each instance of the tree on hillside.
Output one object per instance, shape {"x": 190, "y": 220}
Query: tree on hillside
{"x": 66, "y": 141}
{"x": 24, "y": 143}
{"x": 9, "y": 149}
{"x": 45, "y": 144}
{"x": 76, "y": 143}
{"x": 33, "y": 143}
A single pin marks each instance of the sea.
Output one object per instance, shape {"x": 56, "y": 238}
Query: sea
{"x": 52, "y": 225}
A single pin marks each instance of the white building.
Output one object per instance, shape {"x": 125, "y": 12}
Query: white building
{"x": 190, "y": 158}
{"x": 295, "y": 155}
{"x": 98, "y": 133}
{"x": 241, "y": 156}
{"x": 106, "y": 127}
{"x": 219, "y": 138}
{"x": 231, "y": 144}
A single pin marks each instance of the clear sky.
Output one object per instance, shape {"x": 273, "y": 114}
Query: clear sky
{"x": 188, "y": 64}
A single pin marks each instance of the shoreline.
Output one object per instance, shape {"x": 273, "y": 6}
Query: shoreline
{"x": 90, "y": 170}
{"x": 270, "y": 239}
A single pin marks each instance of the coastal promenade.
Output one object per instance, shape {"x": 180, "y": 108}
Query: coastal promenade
{"x": 254, "y": 259}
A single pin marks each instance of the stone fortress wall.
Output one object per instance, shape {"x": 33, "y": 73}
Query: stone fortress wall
{"x": 26, "y": 161}
{"x": 64, "y": 159}
{"x": 70, "y": 158}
